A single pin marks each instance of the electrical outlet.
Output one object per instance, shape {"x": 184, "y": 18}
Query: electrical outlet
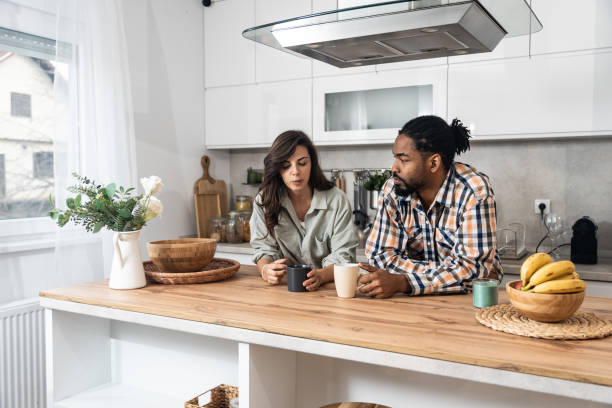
{"x": 539, "y": 201}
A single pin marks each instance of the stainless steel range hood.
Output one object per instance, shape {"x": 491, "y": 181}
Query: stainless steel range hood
{"x": 399, "y": 30}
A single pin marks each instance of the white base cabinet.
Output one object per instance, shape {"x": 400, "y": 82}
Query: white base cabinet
{"x": 104, "y": 357}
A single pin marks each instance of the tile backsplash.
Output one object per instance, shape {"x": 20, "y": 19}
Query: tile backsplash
{"x": 574, "y": 174}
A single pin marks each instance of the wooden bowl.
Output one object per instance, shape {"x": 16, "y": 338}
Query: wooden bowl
{"x": 544, "y": 307}
{"x": 182, "y": 255}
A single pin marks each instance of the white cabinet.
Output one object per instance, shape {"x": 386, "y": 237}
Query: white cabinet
{"x": 572, "y": 26}
{"x": 229, "y": 59}
{"x": 230, "y": 116}
{"x": 557, "y": 95}
{"x": 272, "y": 64}
{"x": 432, "y": 79}
{"x": 254, "y": 115}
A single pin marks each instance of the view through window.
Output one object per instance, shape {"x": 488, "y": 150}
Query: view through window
{"x": 26, "y": 124}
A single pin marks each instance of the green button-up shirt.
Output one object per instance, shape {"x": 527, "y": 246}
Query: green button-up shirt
{"x": 328, "y": 236}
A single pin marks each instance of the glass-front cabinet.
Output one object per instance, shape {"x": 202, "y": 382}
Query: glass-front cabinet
{"x": 372, "y": 107}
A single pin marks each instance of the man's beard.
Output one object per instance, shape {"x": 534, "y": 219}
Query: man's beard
{"x": 407, "y": 188}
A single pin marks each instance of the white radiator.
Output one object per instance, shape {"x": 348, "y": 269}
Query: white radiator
{"x": 22, "y": 355}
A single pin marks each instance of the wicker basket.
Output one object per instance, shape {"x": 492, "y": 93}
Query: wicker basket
{"x": 220, "y": 397}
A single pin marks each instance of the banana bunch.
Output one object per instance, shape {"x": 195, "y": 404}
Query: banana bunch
{"x": 541, "y": 275}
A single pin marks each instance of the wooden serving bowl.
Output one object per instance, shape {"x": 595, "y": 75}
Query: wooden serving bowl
{"x": 182, "y": 255}
{"x": 544, "y": 307}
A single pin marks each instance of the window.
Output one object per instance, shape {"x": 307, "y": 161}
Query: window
{"x": 21, "y": 105}
{"x": 43, "y": 165}
{"x": 2, "y": 179}
{"x": 27, "y": 70}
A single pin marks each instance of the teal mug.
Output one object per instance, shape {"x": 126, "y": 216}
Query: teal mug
{"x": 484, "y": 292}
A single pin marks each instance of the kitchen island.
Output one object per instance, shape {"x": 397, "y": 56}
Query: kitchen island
{"x": 161, "y": 345}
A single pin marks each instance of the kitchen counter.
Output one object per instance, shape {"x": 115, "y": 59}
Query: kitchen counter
{"x": 601, "y": 272}
{"x": 434, "y": 334}
{"x": 244, "y": 248}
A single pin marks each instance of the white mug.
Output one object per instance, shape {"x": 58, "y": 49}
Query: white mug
{"x": 345, "y": 278}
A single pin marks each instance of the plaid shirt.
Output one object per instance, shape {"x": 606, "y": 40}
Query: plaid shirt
{"x": 440, "y": 250}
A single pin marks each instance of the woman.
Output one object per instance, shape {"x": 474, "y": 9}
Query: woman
{"x": 299, "y": 216}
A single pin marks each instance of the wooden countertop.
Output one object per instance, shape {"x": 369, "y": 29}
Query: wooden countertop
{"x": 440, "y": 327}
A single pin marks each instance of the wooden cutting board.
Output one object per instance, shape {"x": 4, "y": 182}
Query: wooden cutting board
{"x": 210, "y": 198}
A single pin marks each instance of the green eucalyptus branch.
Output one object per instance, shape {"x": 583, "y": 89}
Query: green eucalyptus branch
{"x": 117, "y": 209}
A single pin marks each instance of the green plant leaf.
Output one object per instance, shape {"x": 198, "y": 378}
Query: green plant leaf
{"x": 54, "y": 213}
{"x": 77, "y": 200}
{"x": 125, "y": 213}
{"x": 70, "y": 203}
{"x": 63, "y": 220}
{"x": 110, "y": 190}
{"x": 98, "y": 226}
{"x": 51, "y": 201}
{"x": 99, "y": 204}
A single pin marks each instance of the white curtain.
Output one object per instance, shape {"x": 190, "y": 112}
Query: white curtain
{"x": 94, "y": 125}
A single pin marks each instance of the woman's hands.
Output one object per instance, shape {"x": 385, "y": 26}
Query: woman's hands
{"x": 273, "y": 272}
{"x": 318, "y": 277}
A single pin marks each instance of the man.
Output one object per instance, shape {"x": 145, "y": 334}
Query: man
{"x": 435, "y": 227}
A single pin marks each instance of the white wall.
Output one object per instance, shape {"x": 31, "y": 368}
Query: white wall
{"x": 166, "y": 54}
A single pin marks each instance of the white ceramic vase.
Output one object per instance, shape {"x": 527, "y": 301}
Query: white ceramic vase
{"x": 127, "y": 271}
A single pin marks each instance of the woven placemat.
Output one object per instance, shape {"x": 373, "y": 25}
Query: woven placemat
{"x": 580, "y": 326}
{"x": 218, "y": 269}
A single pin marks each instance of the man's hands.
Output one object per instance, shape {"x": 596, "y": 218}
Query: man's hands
{"x": 274, "y": 272}
{"x": 381, "y": 284}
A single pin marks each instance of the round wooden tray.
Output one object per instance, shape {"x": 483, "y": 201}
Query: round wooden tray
{"x": 580, "y": 326}
{"x": 218, "y": 269}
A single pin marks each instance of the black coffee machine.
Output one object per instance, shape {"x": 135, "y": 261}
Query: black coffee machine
{"x": 584, "y": 241}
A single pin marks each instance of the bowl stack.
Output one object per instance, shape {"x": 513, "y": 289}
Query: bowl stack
{"x": 182, "y": 255}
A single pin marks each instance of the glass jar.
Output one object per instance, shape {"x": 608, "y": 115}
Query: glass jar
{"x": 234, "y": 230}
{"x": 243, "y": 203}
{"x": 245, "y": 218}
{"x": 217, "y": 229}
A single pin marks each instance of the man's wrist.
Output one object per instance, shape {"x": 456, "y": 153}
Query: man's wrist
{"x": 403, "y": 283}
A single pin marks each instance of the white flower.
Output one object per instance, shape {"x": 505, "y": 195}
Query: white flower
{"x": 154, "y": 208}
{"x": 151, "y": 184}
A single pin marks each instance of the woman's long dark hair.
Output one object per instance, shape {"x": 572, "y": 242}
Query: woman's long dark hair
{"x": 431, "y": 134}
{"x": 273, "y": 186}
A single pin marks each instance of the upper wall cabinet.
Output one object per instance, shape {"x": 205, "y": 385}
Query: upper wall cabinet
{"x": 229, "y": 59}
{"x": 372, "y": 107}
{"x": 554, "y": 95}
{"x": 272, "y": 64}
{"x": 253, "y": 115}
{"x": 572, "y": 25}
